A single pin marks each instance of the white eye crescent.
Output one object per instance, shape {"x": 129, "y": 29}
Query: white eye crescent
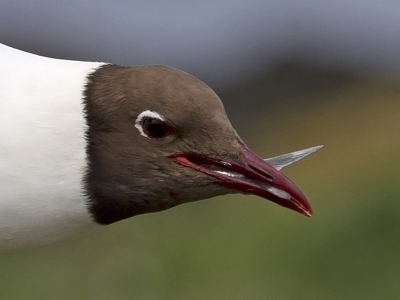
{"x": 152, "y": 125}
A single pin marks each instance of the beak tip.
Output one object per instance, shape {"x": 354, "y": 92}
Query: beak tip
{"x": 302, "y": 207}
{"x": 308, "y": 213}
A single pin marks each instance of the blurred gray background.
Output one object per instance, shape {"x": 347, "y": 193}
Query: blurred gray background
{"x": 221, "y": 41}
{"x": 292, "y": 74}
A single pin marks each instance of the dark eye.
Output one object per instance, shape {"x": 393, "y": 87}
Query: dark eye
{"x": 152, "y": 125}
{"x": 155, "y": 128}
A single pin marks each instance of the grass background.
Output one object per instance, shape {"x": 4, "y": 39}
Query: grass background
{"x": 243, "y": 247}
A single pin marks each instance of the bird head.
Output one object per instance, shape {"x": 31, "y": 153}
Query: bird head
{"x": 159, "y": 137}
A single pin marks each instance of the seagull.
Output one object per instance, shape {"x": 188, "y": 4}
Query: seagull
{"x": 84, "y": 144}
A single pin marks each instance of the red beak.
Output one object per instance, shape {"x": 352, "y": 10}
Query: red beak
{"x": 252, "y": 175}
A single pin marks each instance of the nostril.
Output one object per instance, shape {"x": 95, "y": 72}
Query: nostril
{"x": 263, "y": 173}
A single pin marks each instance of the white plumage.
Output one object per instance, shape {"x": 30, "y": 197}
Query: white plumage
{"x": 42, "y": 148}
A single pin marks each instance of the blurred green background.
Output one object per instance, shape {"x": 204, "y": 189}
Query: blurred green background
{"x": 244, "y": 247}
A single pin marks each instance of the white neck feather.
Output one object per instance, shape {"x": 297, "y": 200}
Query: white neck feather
{"x": 42, "y": 148}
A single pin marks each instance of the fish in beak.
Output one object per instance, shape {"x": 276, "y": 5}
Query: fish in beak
{"x": 253, "y": 175}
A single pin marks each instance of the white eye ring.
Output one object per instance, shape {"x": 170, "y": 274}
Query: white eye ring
{"x": 147, "y": 114}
